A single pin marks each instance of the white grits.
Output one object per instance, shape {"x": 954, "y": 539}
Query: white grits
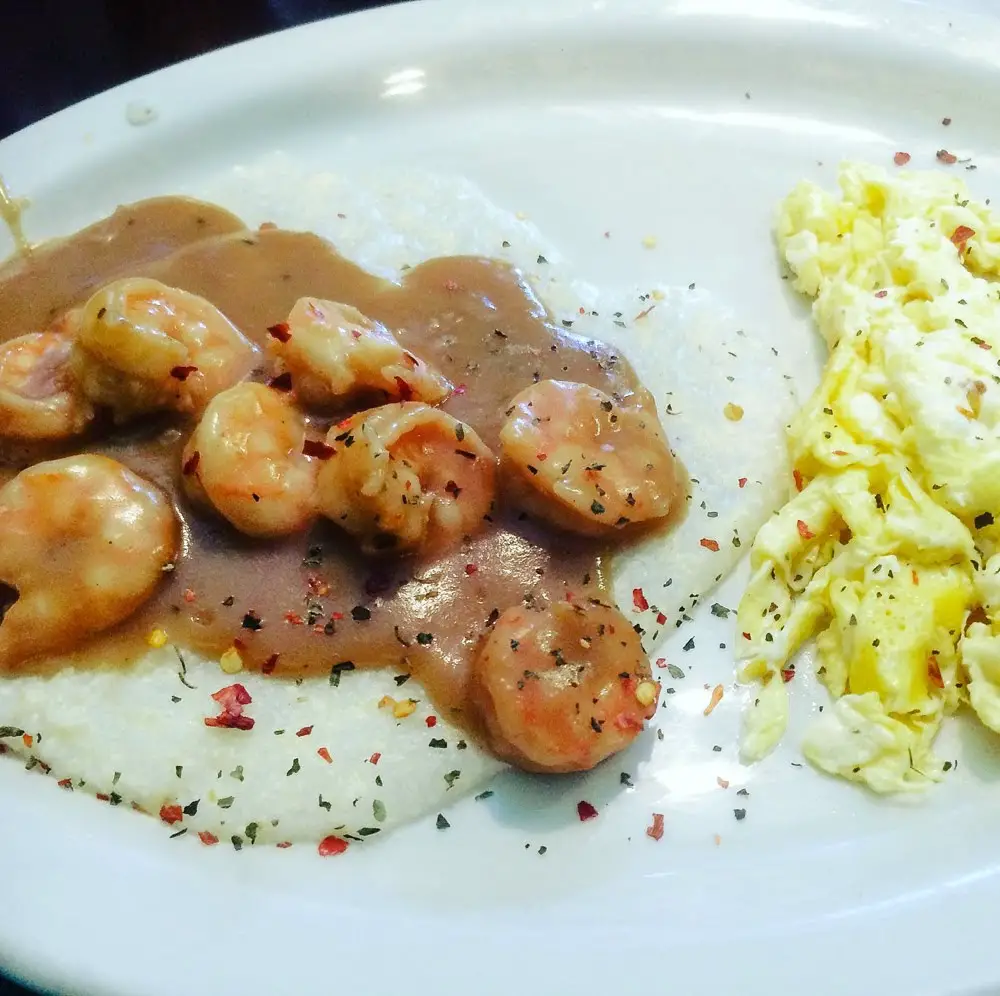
{"x": 123, "y": 735}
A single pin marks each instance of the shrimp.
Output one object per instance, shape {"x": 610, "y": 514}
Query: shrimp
{"x": 406, "y": 477}
{"x": 334, "y": 353}
{"x": 83, "y": 543}
{"x": 562, "y": 688}
{"x": 586, "y": 462}
{"x": 144, "y": 346}
{"x": 246, "y": 459}
{"x": 39, "y": 396}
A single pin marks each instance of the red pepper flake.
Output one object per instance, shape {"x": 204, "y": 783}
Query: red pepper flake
{"x": 461, "y": 389}
{"x": 901, "y": 158}
{"x": 746, "y": 636}
{"x": 471, "y": 569}
{"x": 304, "y": 732}
{"x": 710, "y": 544}
{"x": 317, "y": 448}
{"x": 787, "y": 673}
{"x": 742, "y": 482}
{"x": 797, "y": 477}
{"x": 189, "y": 595}
{"x": 28, "y": 739}
{"x": 723, "y": 783}
{"x": 840, "y": 452}
{"x": 404, "y": 389}
{"x": 934, "y": 673}
{"x": 283, "y": 382}
{"x": 944, "y": 156}
{"x": 191, "y": 463}
{"x": 639, "y": 600}
{"x": 915, "y": 577}
{"x": 270, "y": 664}
{"x": 804, "y": 531}
{"x": 283, "y": 844}
{"x": 585, "y": 811}
{"x": 293, "y": 618}
{"x": 182, "y": 373}
{"x": 325, "y": 754}
{"x": 332, "y": 845}
{"x": 169, "y": 814}
{"x": 65, "y": 783}
{"x": 281, "y": 331}
{"x": 660, "y": 618}
{"x": 374, "y": 759}
{"x": 881, "y": 293}
{"x": 207, "y": 838}
{"x": 661, "y": 662}
{"x": 655, "y": 830}
{"x": 453, "y": 489}
{"x": 232, "y": 698}
{"x": 431, "y": 721}
{"x": 101, "y": 797}
{"x": 961, "y": 235}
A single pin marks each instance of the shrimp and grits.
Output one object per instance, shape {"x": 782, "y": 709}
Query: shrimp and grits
{"x": 277, "y": 519}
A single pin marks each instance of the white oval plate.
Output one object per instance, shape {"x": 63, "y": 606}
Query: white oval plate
{"x": 687, "y": 120}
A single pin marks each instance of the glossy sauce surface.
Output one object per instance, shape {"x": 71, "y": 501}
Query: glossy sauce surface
{"x": 312, "y": 603}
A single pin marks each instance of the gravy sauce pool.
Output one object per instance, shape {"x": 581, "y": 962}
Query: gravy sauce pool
{"x": 311, "y": 604}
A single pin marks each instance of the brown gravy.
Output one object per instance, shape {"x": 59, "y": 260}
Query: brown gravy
{"x": 311, "y": 604}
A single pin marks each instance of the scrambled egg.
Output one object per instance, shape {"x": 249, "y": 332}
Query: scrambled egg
{"x": 888, "y": 549}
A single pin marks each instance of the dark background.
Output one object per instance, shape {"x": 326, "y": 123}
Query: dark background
{"x": 56, "y": 52}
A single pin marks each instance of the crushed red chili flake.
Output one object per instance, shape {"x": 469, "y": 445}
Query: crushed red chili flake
{"x": 710, "y": 544}
{"x": 332, "y": 845}
{"x": 325, "y": 754}
{"x": 461, "y": 389}
{"x": 742, "y": 482}
{"x": 102, "y": 797}
{"x": 232, "y": 698}
{"x": 804, "y": 531}
{"x": 374, "y": 759}
{"x": 746, "y": 636}
{"x": 661, "y": 662}
{"x": 961, "y": 235}
{"x": 28, "y": 739}
{"x": 283, "y": 382}
{"x": 191, "y": 463}
{"x": 655, "y": 830}
{"x": 207, "y": 838}
{"x": 189, "y": 595}
{"x": 283, "y": 844}
{"x": 170, "y": 814}
{"x": 585, "y": 811}
{"x": 639, "y": 600}
{"x": 453, "y": 489}
{"x": 281, "y": 331}
{"x": 660, "y": 618}
{"x": 944, "y": 156}
{"x": 293, "y": 618}
{"x": 787, "y": 673}
{"x": 934, "y": 672}
{"x": 471, "y": 569}
{"x": 270, "y": 664}
{"x": 304, "y": 732}
{"x": 901, "y": 158}
{"x": 182, "y": 373}
{"x": 915, "y": 577}
{"x": 431, "y": 721}
{"x": 881, "y": 293}
{"x": 317, "y": 448}
{"x": 797, "y": 477}
{"x": 65, "y": 783}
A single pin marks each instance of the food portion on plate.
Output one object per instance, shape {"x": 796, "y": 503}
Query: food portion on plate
{"x": 249, "y": 485}
{"x": 887, "y": 549}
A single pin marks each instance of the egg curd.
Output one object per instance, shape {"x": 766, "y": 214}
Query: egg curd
{"x": 888, "y": 550}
